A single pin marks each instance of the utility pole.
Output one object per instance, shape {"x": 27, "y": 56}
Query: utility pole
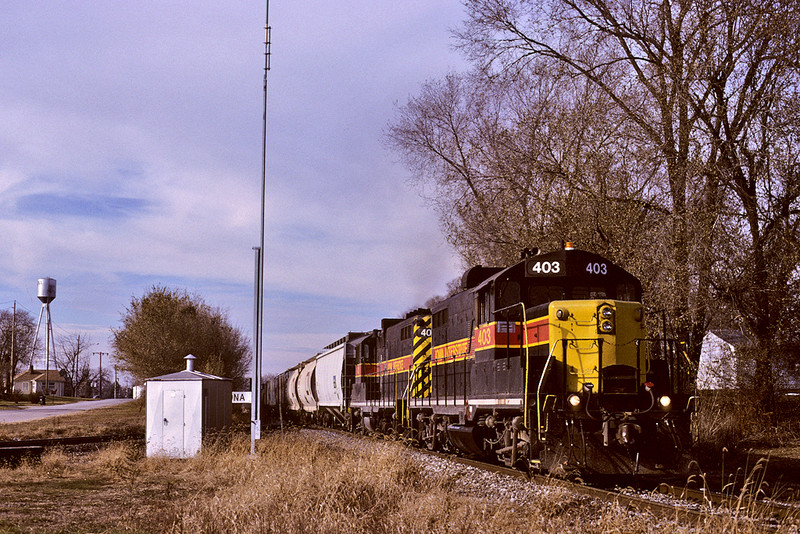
{"x": 100, "y": 379}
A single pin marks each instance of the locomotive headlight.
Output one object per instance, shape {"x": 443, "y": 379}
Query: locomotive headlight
{"x": 562, "y": 314}
{"x": 665, "y": 401}
{"x": 605, "y": 319}
{"x": 574, "y": 400}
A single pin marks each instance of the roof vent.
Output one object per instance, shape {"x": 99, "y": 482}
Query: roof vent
{"x": 190, "y": 362}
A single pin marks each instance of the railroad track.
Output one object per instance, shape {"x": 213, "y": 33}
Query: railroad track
{"x": 14, "y": 451}
{"x": 767, "y": 512}
{"x": 641, "y": 504}
{"x": 701, "y": 503}
{"x": 770, "y": 511}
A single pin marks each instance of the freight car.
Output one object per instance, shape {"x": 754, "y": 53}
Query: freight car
{"x": 544, "y": 364}
{"x": 317, "y": 390}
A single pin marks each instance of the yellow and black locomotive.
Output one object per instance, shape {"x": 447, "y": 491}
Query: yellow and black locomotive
{"x": 544, "y": 364}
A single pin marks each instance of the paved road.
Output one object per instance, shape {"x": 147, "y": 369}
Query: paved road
{"x": 31, "y": 411}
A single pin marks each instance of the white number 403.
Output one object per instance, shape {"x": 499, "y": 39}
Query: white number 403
{"x": 546, "y": 267}
{"x": 597, "y": 268}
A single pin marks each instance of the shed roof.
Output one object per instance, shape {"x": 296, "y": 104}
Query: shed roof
{"x": 186, "y": 375}
{"x": 733, "y": 337}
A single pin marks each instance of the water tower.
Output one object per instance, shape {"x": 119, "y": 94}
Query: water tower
{"x": 47, "y": 290}
{"x": 46, "y": 293}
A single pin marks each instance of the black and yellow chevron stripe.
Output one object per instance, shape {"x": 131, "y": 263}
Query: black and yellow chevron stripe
{"x": 421, "y": 357}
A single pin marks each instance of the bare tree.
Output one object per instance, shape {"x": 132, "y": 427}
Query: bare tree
{"x": 758, "y": 278}
{"x": 20, "y": 327}
{"x": 705, "y": 84}
{"x": 650, "y": 60}
{"x": 533, "y": 160}
{"x": 660, "y": 133}
{"x": 73, "y": 362}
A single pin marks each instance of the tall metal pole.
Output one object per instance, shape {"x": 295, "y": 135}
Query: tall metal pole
{"x": 255, "y": 383}
{"x": 255, "y": 424}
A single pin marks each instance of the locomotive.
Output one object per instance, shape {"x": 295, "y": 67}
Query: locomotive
{"x": 542, "y": 365}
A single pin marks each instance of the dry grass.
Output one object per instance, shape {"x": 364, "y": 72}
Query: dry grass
{"x": 722, "y": 421}
{"x": 294, "y": 485}
{"x": 733, "y": 435}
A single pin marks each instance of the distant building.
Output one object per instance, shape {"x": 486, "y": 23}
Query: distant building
{"x": 33, "y": 381}
{"x": 723, "y": 367}
{"x": 719, "y": 360}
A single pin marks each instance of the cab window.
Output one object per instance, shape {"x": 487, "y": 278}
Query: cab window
{"x": 626, "y": 292}
{"x": 507, "y": 294}
{"x": 544, "y": 294}
{"x": 483, "y": 311}
{"x": 589, "y": 292}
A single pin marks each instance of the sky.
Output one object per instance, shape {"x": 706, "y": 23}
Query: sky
{"x": 130, "y": 156}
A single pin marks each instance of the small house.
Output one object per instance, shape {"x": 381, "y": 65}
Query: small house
{"x": 38, "y": 381}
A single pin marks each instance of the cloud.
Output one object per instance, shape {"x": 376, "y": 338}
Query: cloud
{"x": 130, "y": 156}
{"x": 95, "y": 207}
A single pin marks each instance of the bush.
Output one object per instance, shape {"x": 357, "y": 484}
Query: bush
{"x": 17, "y": 397}
{"x": 722, "y": 421}
{"x": 732, "y": 421}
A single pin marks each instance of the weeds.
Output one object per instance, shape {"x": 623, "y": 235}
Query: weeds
{"x": 731, "y": 420}
{"x": 292, "y": 485}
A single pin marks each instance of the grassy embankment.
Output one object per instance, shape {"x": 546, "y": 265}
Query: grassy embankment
{"x": 294, "y": 485}
{"x": 124, "y": 419}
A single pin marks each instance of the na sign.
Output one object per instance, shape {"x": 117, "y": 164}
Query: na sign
{"x": 242, "y": 397}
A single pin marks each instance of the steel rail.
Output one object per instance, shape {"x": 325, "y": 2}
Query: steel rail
{"x": 74, "y": 440}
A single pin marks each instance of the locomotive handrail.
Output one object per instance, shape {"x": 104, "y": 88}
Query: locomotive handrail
{"x": 507, "y": 308}
{"x": 539, "y": 389}
{"x": 542, "y": 377}
{"x": 527, "y": 355}
{"x": 407, "y": 393}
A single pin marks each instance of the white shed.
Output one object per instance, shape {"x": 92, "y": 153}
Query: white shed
{"x": 720, "y": 366}
{"x": 182, "y": 407}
